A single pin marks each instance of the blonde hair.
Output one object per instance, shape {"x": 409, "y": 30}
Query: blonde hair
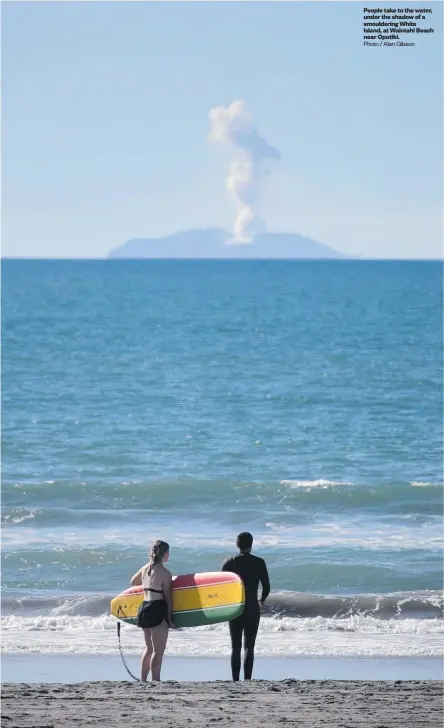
{"x": 158, "y": 551}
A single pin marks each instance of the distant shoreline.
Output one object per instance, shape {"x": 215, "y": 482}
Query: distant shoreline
{"x": 113, "y": 261}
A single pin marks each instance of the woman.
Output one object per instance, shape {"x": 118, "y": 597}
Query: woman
{"x": 154, "y": 615}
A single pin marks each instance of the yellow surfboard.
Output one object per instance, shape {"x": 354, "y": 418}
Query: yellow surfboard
{"x": 198, "y": 599}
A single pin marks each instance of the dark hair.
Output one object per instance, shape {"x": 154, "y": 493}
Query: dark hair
{"x": 244, "y": 541}
{"x": 158, "y": 551}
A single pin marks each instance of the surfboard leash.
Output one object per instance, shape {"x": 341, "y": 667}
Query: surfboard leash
{"x": 122, "y": 656}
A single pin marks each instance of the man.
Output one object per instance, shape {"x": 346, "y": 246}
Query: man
{"x": 252, "y": 570}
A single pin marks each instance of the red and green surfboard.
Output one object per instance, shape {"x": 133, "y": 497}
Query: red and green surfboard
{"x": 198, "y": 599}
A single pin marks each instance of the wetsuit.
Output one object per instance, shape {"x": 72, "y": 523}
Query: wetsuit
{"x": 252, "y": 570}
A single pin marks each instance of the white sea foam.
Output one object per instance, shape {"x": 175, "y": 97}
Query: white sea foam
{"x": 321, "y": 483}
{"x": 422, "y": 484}
{"x": 19, "y": 516}
{"x": 287, "y": 637}
{"x": 326, "y": 533}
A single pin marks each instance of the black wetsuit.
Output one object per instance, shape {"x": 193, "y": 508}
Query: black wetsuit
{"x": 252, "y": 570}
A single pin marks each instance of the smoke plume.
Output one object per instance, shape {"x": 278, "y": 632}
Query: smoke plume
{"x": 253, "y": 161}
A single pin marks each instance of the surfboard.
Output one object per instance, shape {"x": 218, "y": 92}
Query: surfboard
{"x": 198, "y": 599}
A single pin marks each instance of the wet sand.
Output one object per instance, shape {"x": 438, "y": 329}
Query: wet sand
{"x": 306, "y": 704}
{"x": 65, "y": 668}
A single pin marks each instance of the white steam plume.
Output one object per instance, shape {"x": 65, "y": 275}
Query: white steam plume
{"x": 253, "y": 162}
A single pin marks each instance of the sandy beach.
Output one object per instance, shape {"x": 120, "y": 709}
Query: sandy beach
{"x": 307, "y": 704}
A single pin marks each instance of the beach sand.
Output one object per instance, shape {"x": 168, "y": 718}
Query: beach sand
{"x": 307, "y": 704}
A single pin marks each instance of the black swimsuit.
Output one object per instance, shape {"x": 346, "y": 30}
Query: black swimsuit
{"x": 152, "y": 613}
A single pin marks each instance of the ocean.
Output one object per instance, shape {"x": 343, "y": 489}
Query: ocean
{"x": 191, "y": 400}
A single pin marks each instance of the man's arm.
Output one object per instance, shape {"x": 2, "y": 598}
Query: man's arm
{"x": 265, "y": 582}
{"x": 226, "y": 565}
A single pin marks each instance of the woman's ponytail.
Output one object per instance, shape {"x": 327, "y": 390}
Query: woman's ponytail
{"x": 158, "y": 551}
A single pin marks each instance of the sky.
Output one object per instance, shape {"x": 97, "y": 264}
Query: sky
{"x": 106, "y": 130}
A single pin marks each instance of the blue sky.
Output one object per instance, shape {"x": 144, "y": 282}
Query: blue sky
{"x": 105, "y": 124}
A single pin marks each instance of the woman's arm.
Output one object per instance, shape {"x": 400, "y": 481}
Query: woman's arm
{"x": 168, "y": 594}
{"x": 136, "y": 580}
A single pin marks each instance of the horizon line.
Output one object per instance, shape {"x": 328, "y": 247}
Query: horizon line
{"x": 345, "y": 259}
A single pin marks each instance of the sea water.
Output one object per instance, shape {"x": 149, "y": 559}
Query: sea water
{"x": 191, "y": 400}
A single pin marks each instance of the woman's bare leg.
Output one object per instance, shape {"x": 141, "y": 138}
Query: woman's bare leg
{"x": 159, "y": 636}
{"x": 147, "y": 655}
